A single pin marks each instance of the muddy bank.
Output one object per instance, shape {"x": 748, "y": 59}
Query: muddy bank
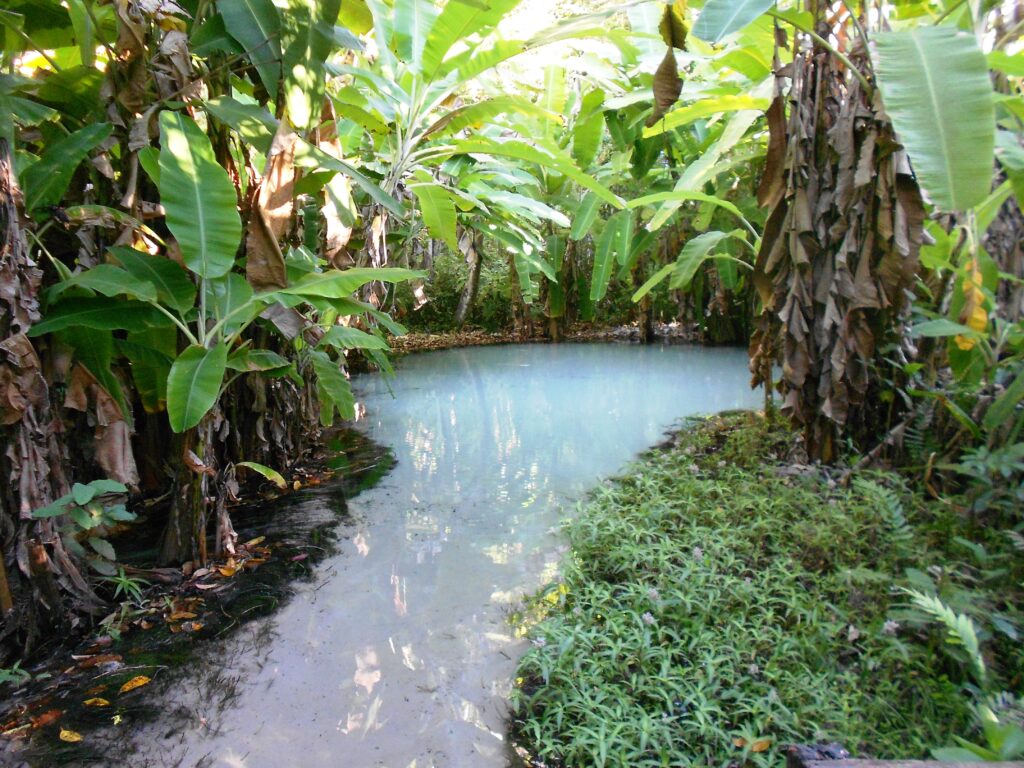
{"x": 674, "y": 333}
{"x": 58, "y": 715}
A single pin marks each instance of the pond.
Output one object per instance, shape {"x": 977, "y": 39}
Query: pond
{"x": 398, "y": 653}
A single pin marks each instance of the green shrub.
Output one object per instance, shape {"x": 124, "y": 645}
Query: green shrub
{"x": 492, "y": 310}
{"x": 719, "y": 604}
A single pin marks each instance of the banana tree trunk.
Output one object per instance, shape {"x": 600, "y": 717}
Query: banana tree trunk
{"x": 36, "y": 574}
{"x": 472, "y": 248}
{"x": 839, "y": 251}
{"x": 184, "y": 537}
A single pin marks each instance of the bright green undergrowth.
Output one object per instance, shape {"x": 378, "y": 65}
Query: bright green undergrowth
{"x": 719, "y": 605}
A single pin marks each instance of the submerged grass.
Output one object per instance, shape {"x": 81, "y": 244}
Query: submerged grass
{"x": 720, "y": 604}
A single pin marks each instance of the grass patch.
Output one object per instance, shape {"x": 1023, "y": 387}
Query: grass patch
{"x": 720, "y": 603}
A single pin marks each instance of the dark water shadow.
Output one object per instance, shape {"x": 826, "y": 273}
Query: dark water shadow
{"x": 301, "y": 529}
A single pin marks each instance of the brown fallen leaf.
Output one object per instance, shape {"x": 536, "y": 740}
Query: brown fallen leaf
{"x": 227, "y": 570}
{"x": 760, "y": 745}
{"x": 739, "y": 742}
{"x": 93, "y": 661}
{"x": 46, "y": 718}
{"x": 135, "y": 682}
{"x": 195, "y": 626}
{"x": 181, "y": 615}
{"x": 72, "y": 736}
{"x": 96, "y": 690}
{"x": 97, "y": 702}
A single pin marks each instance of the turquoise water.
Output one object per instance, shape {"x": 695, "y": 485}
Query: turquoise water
{"x": 399, "y": 654}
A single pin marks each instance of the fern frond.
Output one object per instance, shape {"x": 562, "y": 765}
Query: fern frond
{"x": 889, "y": 506}
{"x": 960, "y": 630}
{"x": 919, "y": 437}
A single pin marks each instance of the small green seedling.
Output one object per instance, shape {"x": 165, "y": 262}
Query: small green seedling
{"x": 14, "y": 675}
{"x": 91, "y": 509}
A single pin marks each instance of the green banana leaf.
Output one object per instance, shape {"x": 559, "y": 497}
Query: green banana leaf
{"x": 936, "y": 88}
{"x": 438, "y": 209}
{"x": 45, "y": 181}
{"x": 198, "y": 196}
{"x": 173, "y": 287}
{"x": 332, "y": 388}
{"x": 100, "y": 313}
{"x": 257, "y": 26}
{"x": 340, "y": 284}
{"x": 720, "y": 17}
{"x": 193, "y": 384}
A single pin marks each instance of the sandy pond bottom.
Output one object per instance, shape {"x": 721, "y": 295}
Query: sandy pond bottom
{"x": 398, "y": 653}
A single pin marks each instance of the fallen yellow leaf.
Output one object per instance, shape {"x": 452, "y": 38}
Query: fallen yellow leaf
{"x": 181, "y": 615}
{"x": 72, "y": 736}
{"x": 740, "y": 742}
{"x": 97, "y": 702}
{"x": 135, "y": 682}
{"x": 761, "y": 745}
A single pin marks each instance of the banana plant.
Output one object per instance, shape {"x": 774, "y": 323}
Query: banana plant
{"x": 206, "y": 301}
{"x": 949, "y": 133}
{"x": 949, "y": 136}
{"x": 209, "y": 305}
{"x": 657, "y": 166}
{"x": 424, "y": 130}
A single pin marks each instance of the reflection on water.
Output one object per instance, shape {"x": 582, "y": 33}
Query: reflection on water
{"x": 399, "y": 654}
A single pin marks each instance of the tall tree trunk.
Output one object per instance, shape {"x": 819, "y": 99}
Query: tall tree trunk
{"x": 644, "y": 307}
{"x": 472, "y": 249}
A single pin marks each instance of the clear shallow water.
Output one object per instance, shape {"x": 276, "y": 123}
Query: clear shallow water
{"x": 399, "y": 653}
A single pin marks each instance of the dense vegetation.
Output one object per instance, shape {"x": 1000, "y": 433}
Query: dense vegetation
{"x": 212, "y": 210}
{"x": 724, "y": 600}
